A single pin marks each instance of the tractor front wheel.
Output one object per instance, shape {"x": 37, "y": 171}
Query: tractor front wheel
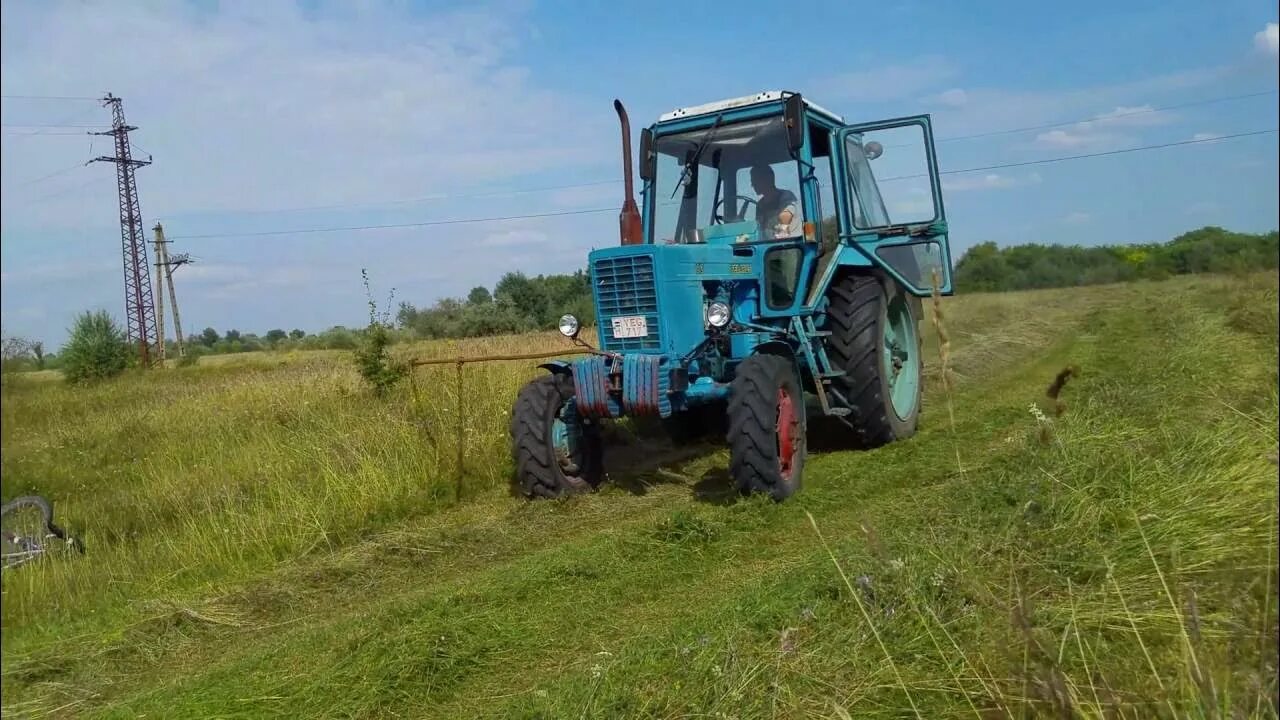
{"x": 556, "y": 452}
{"x": 766, "y": 427}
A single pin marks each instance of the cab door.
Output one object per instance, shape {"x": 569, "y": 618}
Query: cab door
{"x": 893, "y": 213}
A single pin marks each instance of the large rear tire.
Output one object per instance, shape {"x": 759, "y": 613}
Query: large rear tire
{"x": 766, "y": 427}
{"x": 875, "y": 340}
{"x": 556, "y": 452}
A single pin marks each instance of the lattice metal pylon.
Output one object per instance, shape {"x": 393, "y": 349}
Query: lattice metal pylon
{"x": 139, "y": 302}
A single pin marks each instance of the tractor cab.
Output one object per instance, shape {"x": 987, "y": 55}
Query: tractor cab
{"x": 769, "y": 276}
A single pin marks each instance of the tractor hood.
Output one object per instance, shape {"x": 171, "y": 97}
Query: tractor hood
{"x": 652, "y": 298}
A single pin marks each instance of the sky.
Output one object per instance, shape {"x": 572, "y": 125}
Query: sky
{"x": 274, "y": 115}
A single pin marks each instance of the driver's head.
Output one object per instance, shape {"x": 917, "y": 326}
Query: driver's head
{"x": 762, "y": 179}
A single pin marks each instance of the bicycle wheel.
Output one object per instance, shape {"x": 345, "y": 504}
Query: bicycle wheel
{"x": 28, "y": 530}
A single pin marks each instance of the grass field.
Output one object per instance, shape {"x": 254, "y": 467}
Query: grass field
{"x": 266, "y": 539}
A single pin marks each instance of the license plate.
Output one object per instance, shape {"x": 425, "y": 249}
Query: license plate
{"x": 632, "y": 326}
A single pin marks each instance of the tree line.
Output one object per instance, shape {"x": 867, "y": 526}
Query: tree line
{"x": 1211, "y": 249}
{"x": 520, "y": 303}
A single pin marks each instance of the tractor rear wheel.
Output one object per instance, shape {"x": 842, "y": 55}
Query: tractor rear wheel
{"x": 875, "y": 340}
{"x": 766, "y": 427}
{"x": 556, "y": 452}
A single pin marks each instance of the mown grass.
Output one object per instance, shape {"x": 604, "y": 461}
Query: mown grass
{"x": 265, "y": 539}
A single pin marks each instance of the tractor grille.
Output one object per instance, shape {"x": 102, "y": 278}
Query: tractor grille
{"x": 625, "y": 286}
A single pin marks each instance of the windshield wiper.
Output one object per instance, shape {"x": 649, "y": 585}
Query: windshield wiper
{"x": 697, "y": 153}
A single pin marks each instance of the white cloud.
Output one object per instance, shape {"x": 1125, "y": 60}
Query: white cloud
{"x": 1105, "y": 128}
{"x": 341, "y": 104}
{"x": 955, "y": 97}
{"x": 1073, "y": 138}
{"x": 590, "y": 196}
{"x": 515, "y": 238}
{"x": 1267, "y": 40}
{"x": 990, "y": 181}
{"x": 888, "y": 82}
{"x": 1077, "y": 218}
{"x": 62, "y": 271}
{"x": 1205, "y": 137}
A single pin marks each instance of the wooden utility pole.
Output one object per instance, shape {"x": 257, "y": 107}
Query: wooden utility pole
{"x": 165, "y": 266}
{"x": 159, "y": 294}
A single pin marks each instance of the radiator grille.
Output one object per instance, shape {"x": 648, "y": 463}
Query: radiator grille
{"x": 626, "y": 286}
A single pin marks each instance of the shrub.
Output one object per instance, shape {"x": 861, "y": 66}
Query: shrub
{"x": 97, "y": 348}
{"x": 374, "y": 363}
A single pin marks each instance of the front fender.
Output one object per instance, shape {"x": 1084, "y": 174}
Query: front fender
{"x": 557, "y": 367}
{"x": 782, "y": 349}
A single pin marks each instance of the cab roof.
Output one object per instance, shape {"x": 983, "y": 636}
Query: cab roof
{"x": 759, "y": 98}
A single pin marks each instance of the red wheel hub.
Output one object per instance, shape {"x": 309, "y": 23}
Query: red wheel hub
{"x": 787, "y": 434}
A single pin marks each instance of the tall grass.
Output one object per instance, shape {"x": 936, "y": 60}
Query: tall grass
{"x": 267, "y": 538}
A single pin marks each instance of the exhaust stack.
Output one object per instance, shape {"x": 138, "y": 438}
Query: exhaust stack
{"x": 629, "y": 226}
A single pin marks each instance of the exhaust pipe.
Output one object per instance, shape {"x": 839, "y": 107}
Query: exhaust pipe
{"x": 630, "y": 228}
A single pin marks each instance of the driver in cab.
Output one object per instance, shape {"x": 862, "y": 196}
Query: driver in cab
{"x": 777, "y": 210}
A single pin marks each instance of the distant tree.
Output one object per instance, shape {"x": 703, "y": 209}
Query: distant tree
{"x": 275, "y": 336}
{"x": 209, "y": 337}
{"x": 37, "y": 351}
{"x": 479, "y": 295}
{"x": 16, "y": 354}
{"x": 232, "y": 336}
{"x": 97, "y": 348}
{"x": 986, "y": 267}
{"x": 297, "y": 334}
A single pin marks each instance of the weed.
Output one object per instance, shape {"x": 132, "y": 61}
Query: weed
{"x": 371, "y": 356}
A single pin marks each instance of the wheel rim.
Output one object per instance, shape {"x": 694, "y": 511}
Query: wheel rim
{"x": 901, "y": 358}
{"x": 25, "y": 535}
{"x": 788, "y": 434}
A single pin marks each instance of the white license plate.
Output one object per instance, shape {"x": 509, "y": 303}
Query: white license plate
{"x": 631, "y": 326}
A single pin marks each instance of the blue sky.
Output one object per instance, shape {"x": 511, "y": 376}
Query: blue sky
{"x": 275, "y": 115}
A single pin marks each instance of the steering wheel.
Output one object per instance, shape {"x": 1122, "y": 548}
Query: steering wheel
{"x": 718, "y": 219}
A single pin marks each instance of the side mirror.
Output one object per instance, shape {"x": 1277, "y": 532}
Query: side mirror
{"x": 873, "y": 150}
{"x": 793, "y": 118}
{"x": 647, "y": 159}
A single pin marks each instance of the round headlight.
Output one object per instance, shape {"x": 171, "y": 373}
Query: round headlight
{"x": 569, "y": 326}
{"x": 717, "y": 314}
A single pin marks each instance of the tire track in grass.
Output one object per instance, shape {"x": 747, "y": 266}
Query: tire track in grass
{"x": 366, "y": 583}
{"x": 607, "y": 563}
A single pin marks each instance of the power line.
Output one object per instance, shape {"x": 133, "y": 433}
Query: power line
{"x": 68, "y": 190}
{"x": 81, "y": 133}
{"x": 47, "y": 97}
{"x": 598, "y": 183}
{"x": 48, "y": 125}
{"x": 591, "y": 211}
{"x": 1114, "y": 152}
{"x": 432, "y": 198}
{"x": 428, "y": 223}
{"x": 1103, "y": 118}
{"x": 53, "y": 174}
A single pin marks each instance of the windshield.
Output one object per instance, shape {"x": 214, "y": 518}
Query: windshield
{"x": 704, "y": 181}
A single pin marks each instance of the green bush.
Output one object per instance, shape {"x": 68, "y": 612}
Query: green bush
{"x": 97, "y": 348}
{"x": 372, "y": 360}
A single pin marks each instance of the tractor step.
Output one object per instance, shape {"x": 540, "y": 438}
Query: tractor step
{"x": 830, "y": 374}
{"x": 838, "y": 411}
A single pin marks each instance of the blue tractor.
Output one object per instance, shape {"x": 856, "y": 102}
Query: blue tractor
{"x": 769, "y": 284}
